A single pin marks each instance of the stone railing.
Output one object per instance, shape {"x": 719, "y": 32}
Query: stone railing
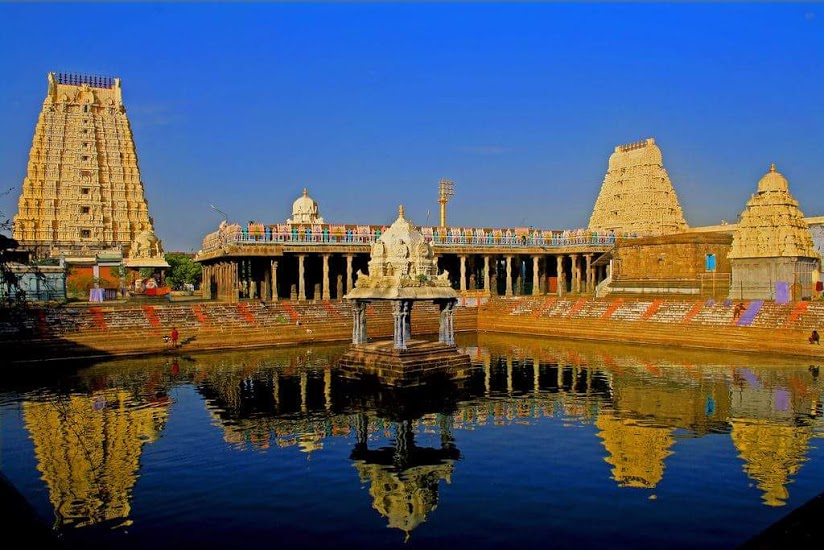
{"x": 439, "y": 236}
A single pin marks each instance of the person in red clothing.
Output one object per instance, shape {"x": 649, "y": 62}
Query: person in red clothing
{"x": 174, "y": 336}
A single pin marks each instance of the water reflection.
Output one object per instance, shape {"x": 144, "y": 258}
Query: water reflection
{"x": 90, "y": 430}
{"x": 88, "y": 451}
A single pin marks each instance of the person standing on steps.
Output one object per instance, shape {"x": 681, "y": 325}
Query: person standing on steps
{"x": 174, "y": 336}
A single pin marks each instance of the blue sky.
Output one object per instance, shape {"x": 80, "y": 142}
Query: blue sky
{"x": 369, "y": 105}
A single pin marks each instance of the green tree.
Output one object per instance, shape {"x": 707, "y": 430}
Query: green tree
{"x": 10, "y": 254}
{"x": 182, "y": 270}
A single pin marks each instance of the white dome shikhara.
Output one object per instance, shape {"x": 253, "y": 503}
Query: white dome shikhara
{"x": 305, "y": 210}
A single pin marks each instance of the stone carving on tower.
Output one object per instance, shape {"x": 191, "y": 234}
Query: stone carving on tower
{"x": 146, "y": 250}
{"x": 305, "y": 211}
{"x": 637, "y": 196}
{"x": 82, "y": 186}
{"x": 772, "y": 243}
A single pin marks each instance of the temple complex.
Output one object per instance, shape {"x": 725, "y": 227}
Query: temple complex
{"x": 637, "y": 195}
{"x": 773, "y": 244}
{"x": 82, "y": 203}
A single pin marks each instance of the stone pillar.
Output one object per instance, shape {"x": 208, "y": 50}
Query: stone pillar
{"x": 399, "y": 330}
{"x": 274, "y": 280}
{"x": 463, "y": 272}
{"x": 408, "y": 319}
{"x": 235, "y": 274}
{"x": 536, "y": 279}
{"x": 301, "y": 282}
{"x": 590, "y": 287}
{"x": 559, "y": 262}
{"x": 486, "y": 275}
{"x": 327, "y": 295}
{"x": 508, "y": 276}
{"x": 536, "y": 375}
{"x": 576, "y": 274}
{"x": 359, "y": 322}
{"x": 446, "y": 329}
{"x": 348, "y": 273}
{"x": 205, "y": 288}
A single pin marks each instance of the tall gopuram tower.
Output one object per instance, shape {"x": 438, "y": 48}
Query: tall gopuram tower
{"x": 637, "y": 195}
{"x": 82, "y": 193}
{"x": 772, "y": 249}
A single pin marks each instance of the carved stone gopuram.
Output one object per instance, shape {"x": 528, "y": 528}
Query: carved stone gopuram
{"x": 772, "y": 244}
{"x": 82, "y": 190}
{"x": 637, "y": 196}
{"x": 402, "y": 269}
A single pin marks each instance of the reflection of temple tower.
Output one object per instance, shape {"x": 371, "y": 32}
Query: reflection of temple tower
{"x": 637, "y": 195}
{"x": 636, "y": 452}
{"x": 82, "y": 187}
{"x": 772, "y": 453}
{"x": 88, "y": 449}
{"x": 404, "y": 478}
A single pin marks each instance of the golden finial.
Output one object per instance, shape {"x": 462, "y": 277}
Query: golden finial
{"x": 305, "y": 192}
{"x": 772, "y": 167}
{"x": 400, "y": 211}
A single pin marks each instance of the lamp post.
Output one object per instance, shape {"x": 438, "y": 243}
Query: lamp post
{"x": 446, "y": 189}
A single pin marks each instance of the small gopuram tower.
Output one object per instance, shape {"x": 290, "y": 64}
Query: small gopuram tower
{"x": 772, "y": 254}
{"x": 637, "y": 196}
{"x": 402, "y": 270}
{"x": 82, "y": 192}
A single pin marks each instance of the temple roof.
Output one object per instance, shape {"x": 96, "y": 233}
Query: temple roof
{"x": 771, "y": 224}
{"x": 402, "y": 266}
{"x": 305, "y": 210}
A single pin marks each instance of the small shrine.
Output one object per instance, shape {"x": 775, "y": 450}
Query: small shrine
{"x": 402, "y": 270}
{"x": 773, "y": 255}
{"x": 146, "y": 253}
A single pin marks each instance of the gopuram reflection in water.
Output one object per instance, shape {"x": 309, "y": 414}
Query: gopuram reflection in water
{"x": 541, "y": 435}
{"x": 402, "y": 271}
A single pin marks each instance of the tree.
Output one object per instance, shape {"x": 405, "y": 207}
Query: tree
{"x": 183, "y": 270}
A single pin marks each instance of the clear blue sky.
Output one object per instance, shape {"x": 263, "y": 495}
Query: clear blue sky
{"x": 520, "y": 104}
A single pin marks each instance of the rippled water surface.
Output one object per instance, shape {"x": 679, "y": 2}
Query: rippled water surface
{"x": 548, "y": 444}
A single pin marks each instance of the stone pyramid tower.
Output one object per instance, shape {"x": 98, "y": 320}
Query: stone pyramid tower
{"x": 82, "y": 192}
{"x": 637, "y": 195}
{"x": 772, "y": 225}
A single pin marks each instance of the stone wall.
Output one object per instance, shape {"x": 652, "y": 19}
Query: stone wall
{"x": 680, "y": 256}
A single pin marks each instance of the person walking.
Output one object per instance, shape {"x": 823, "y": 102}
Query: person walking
{"x": 174, "y": 336}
